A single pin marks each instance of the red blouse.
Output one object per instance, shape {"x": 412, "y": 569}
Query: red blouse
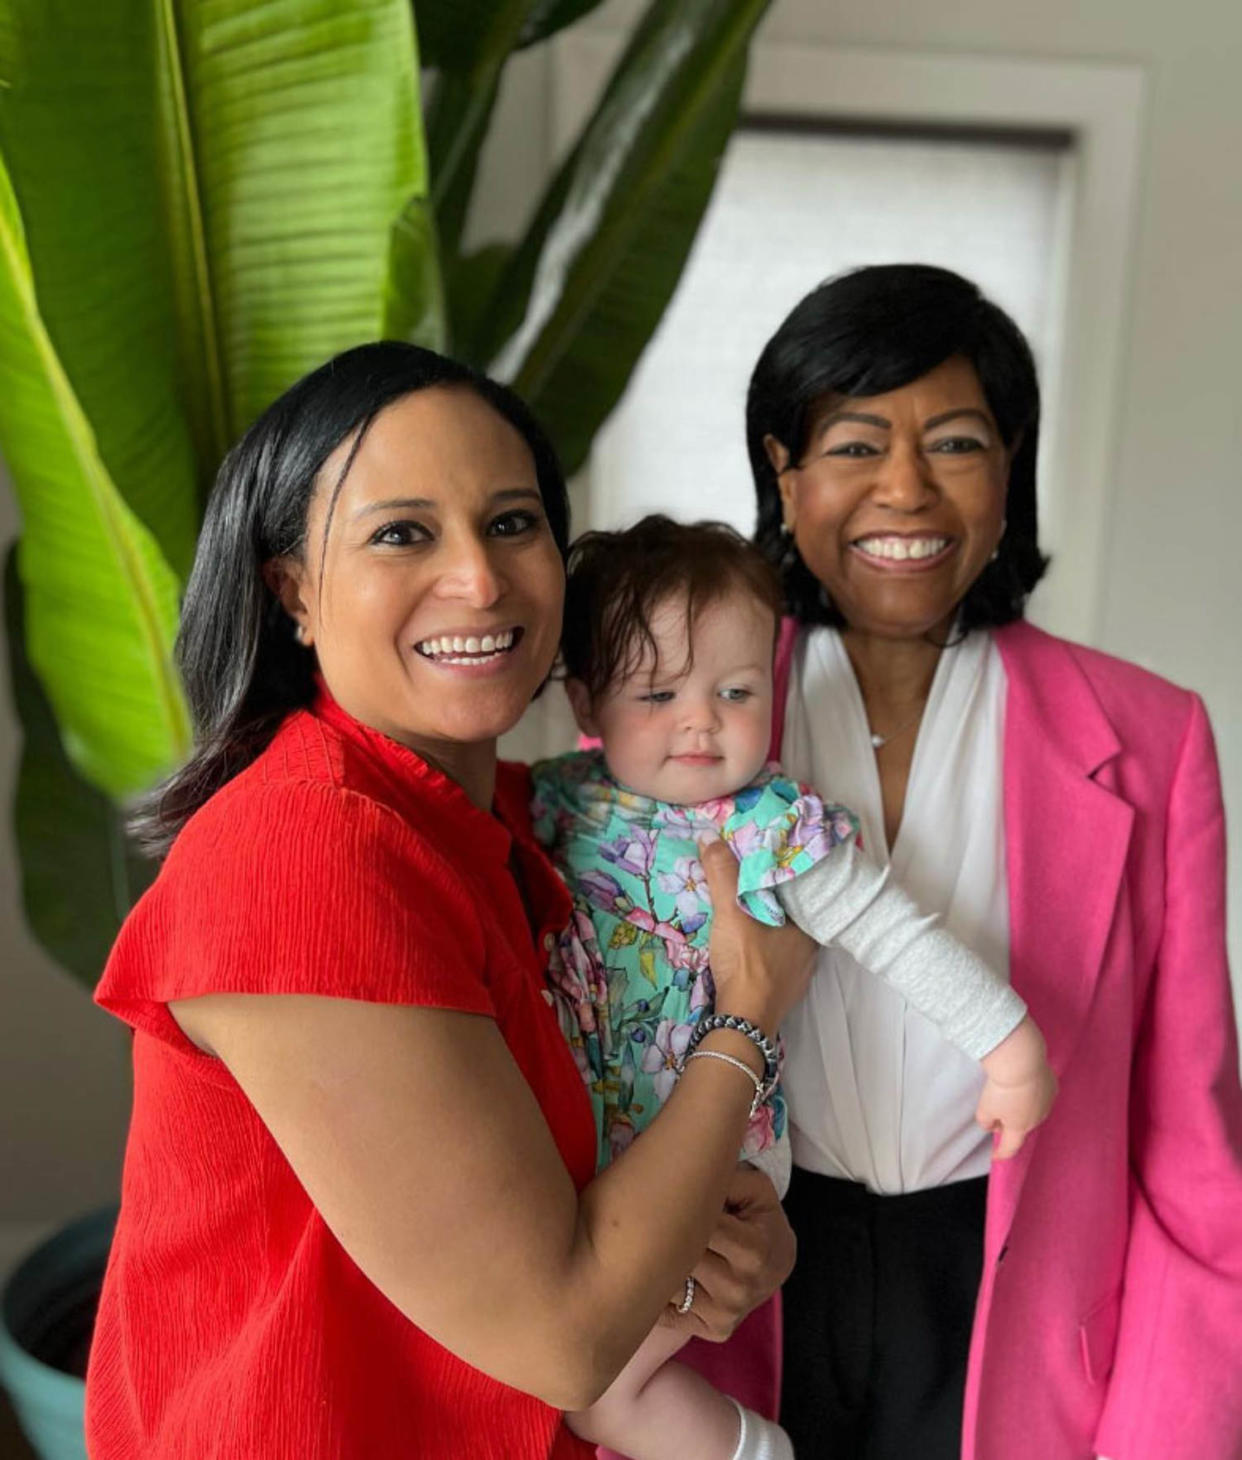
{"x": 232, "y": 1323}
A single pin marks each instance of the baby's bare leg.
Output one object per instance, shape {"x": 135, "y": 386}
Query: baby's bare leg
{"x": 658, "y": 1410}
{"x": 654, "y": 1409}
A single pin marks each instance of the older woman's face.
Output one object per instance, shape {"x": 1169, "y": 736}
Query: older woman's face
{"x": 898, "y": 501}
{"x": 436, "y": 612}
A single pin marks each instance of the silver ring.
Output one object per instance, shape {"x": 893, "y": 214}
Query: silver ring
{"x": 687, "y": 1302}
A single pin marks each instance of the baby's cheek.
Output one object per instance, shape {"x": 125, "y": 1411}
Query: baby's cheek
{"x": 756, "y": 748}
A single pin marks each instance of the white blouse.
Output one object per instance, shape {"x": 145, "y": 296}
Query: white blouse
{"x": 875, "y": 1094}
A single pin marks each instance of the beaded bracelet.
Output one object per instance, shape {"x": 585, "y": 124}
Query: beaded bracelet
{"x": 757, "y": 1037}
{"x": 741, "y": 1026}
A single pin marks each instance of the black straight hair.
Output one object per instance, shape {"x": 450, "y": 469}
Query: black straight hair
{"x": 874, "y": 330}
{"x": 242, "y": 668}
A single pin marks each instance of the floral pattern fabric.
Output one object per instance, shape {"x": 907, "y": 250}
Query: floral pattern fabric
{"x": 630, "y": 975}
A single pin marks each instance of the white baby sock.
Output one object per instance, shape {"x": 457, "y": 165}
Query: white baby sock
{"x": 759, "y": 1438}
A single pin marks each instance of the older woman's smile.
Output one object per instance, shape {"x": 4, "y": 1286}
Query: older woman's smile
{"x": 904, "y": 552}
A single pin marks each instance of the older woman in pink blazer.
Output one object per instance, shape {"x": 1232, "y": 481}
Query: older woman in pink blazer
{"x": 1061, "y": 811}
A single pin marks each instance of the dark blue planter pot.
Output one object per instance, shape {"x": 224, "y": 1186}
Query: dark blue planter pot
{"x": 47, "y": 1312}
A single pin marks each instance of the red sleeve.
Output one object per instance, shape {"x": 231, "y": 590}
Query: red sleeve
{"x": 297, "y": 887}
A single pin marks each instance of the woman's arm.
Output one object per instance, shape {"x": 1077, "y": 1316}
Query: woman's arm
{"x": 423, "y": 1148}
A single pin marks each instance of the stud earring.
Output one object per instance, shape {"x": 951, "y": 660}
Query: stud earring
{"x": 299, "y": 633}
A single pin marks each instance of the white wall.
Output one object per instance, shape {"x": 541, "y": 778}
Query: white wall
{"x": 1166, "y": 591}
{"x": 1168, "y": 587}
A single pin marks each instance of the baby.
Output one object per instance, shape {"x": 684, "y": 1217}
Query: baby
{"x": 668, "y": 648}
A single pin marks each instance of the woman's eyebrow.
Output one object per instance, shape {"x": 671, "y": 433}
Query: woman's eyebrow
{"x": 423, "y": 504}
{"x": 861, "y": 418}
{"x": 393, "y": 503}
{"x": 952, "y": 415}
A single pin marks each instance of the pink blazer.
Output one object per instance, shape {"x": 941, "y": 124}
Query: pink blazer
{"x": 1109, "y": 1318}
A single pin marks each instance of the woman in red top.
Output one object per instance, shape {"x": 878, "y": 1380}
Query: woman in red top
{"x": 359, "y": 1213}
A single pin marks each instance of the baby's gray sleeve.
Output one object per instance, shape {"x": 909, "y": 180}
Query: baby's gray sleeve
{"x": 847, "y": 900}
{"x": 776, "y": 1163}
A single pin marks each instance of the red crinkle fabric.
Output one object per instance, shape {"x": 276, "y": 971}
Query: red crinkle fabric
{"x": 232, "y": 1323}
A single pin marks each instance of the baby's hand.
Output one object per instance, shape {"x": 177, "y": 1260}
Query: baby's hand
{"x": 1020, "y": 1088}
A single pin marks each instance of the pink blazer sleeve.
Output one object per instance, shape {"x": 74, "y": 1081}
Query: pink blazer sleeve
{"x": 1176, "y": 1386}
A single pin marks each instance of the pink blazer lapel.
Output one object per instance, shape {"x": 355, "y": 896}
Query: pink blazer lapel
{"x": 1066, "y": 840}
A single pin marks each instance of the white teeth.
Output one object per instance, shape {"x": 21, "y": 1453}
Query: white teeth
{"x": 899, "y": 549}
{"x": 449, "y": 648}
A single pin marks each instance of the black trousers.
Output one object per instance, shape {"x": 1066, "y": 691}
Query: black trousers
{"x": 878, "y": 1315}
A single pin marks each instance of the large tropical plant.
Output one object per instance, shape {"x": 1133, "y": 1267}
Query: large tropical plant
{"x": 199, "y": 202}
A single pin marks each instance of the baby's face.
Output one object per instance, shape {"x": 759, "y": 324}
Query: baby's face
{"x": 691, "y": 734}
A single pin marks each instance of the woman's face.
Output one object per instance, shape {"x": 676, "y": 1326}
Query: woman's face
{"x": 436, "y": 612}
{"x": 898, "y": 501}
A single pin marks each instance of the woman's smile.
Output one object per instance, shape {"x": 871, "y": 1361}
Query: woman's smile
{"x": 915, "y": 552}
{"x": 478, "y": 649}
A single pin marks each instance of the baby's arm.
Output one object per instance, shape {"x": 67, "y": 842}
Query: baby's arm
{"x": 775, "y": 1161}
{"x": 846, "y": 899}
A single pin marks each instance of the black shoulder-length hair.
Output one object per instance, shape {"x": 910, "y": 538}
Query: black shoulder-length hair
{"x": 870, "y": 331}
{"x": 241, "y": 666}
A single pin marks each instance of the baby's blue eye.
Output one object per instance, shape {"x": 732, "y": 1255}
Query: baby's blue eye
{"x": 737, "y": 695}
{"x": 657, "y": 697}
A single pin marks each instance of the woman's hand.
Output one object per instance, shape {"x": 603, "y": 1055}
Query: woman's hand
{"x": 750, "y": 1254}
{"x": 760, "y": 972}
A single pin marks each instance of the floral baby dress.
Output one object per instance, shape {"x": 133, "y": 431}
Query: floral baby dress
{"x": 630, "y": 975}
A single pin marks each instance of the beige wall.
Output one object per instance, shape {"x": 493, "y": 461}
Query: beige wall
{"x": 1168, "y": 586}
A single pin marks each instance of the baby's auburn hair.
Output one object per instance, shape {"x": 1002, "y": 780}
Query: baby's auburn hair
{"x": 617, "y": 581}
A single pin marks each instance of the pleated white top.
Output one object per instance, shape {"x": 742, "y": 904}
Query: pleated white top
{"x": 875, "y": 1094}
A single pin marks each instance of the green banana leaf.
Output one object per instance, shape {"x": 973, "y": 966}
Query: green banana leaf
{"x": 581, "y": 295}
{"x": 469, "y": 41}
{"x": 297, "y": 144}
{"x": 414, "y": 307}
{"x": 451, "y": 33}
{"x": 232, "y": 171}
{"x": 210, "y": 193}
{"x": 76, "y": 132}
{"x": 461, "y": 106}
{"x": 101, "y": 601}
{"x": 79, "y": 875}
{"x": 472, "y": 285}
